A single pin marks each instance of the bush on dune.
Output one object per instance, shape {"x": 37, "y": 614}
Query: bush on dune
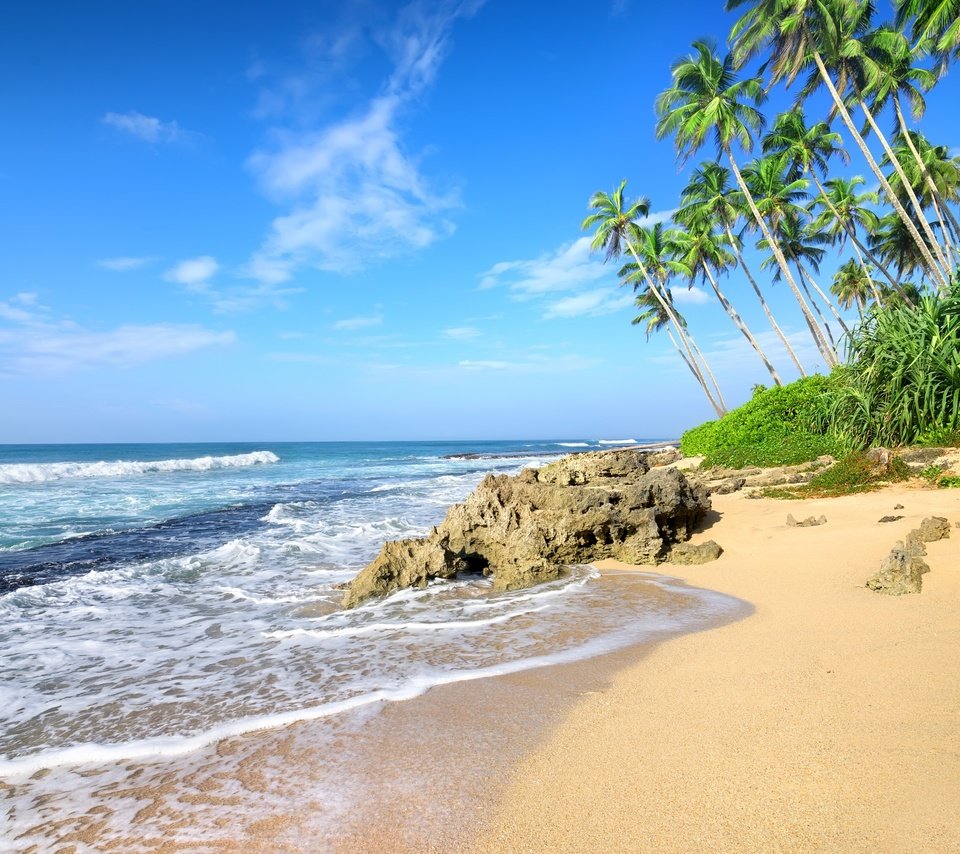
{"x": 778, "y": 426}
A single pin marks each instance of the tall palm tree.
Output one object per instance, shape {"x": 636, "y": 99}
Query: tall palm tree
{"x": 936, "y": 21}
{"x": 841, "y": 211}
{"x": 894, "y": 245}
{"x": 821, "y": 32}
{"x": 654, "y": 318}
{"x": 706, "y": 98}
{"x": 852, "y": 286}
{"x": 709, "y": 190}
{"x": 616, "y": 227}
{"x": 703, "y": 252}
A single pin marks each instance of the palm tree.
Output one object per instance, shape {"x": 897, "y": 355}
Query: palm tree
{"x": 852, "y": 285}
{"x": 893, "y": 244}
{"x": 706, "y": 98}
{"x": 934, "y": 21}
{"x": 654, "y": 318}
{"x": 616, "y": 229}
{"x": 702, "y": 252}
{"x": 709, "y": 190}
{"x": 840, "y": 211}
{"x": 819, "y": 31}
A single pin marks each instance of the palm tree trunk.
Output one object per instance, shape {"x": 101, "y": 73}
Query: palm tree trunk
{"x": 866, "y": 271}
{"x": 713, "y": 379}
{"x": 718, "y": 403}
{"x": 739, "y": 322}
{"x": 813, "y": 302}
{"x": 826, "y": 300}
{"x": 935, "y": 194}
{"x": 766, "y": 308}
{"x": 683, "y": 356}
{"x": 907, "y": 186}
{"x": 862, "y": 145}
{"x": 830, "y": 357}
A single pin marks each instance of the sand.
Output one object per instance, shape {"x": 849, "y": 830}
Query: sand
{"x": 829, "y": 720}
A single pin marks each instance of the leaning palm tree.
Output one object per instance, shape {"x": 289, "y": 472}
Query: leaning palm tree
{"x": 933, "y": 21}
{"x": 852, "y": 285}
{"x": 653, "y": 318}
{"x": 709, "y": 190}
{"x": 704, "y": 253}
{"x": 820, "y": 32}
{"x": 616, "y": 224}
{"x": 895, "y": 246}
{"x": 706, "y": 98}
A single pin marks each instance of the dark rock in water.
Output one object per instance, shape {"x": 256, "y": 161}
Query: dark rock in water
{"x": 889, "y": 518}
{"x": 526, "y": 529}
{"x": 900, "y": 572}
{"x": 809, "y": 522}
{"x": 687, "y": 553}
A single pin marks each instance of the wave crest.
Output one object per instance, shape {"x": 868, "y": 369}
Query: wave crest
{"x": 44, "y": 472}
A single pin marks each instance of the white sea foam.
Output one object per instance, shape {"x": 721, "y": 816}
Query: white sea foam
{"x": 573, "y": 444}
{"x": 13, "y": 473}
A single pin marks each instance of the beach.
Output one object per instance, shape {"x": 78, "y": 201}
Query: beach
{"x": 827, "y": 720}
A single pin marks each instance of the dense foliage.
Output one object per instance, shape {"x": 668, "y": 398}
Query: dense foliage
{"x": 901, "y": 385}
{"x": 778, "y": 426}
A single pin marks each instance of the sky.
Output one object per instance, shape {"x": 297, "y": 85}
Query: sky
{"x": 346, "y": 220}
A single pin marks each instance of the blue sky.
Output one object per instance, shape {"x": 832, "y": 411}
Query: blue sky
{"x": 354, "y": 220}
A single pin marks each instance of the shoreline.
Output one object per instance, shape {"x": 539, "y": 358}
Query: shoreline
{"x": 825, "y": 721}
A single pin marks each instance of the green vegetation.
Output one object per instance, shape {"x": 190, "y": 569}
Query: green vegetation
{"x": 775, "y": 427}
{"x": 851, "y": 474}
{"x": 949, "y": 482}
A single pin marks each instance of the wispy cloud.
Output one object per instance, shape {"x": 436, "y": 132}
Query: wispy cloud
{"x": 356, "y": 194}
{"x": 34, "y": 341}
{"x": 690, "y": 296}
{"x": 148, "y": 128}
{"x": 123, "y": 264}
{"x": 352, "y": 323}
{"x": 193, "y": 272}
{"x": 534, "y": 364}
{"x": 461, "y": 333}
{"x": 569, "y": 267}
{"x": 590, "y": 304}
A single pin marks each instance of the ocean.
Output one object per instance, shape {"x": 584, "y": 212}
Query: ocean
{"x": 157, "y": 599}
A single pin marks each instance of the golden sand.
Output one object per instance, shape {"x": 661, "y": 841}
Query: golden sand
{"x": 829, "y": 720}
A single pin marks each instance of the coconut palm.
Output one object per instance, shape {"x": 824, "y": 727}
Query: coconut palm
{"x": 709, "y": 190}
{"x": 616, "y": 227}
{"x": 933, "y": 21}
{"x": 707, "y": 99}
{"x": 701, "y": 250}
{"x": 821, "y": 32}
{"x": 894, "y": 245}
{"x": 654, "y": 318}
{"x": 852, "y": 285}
{"x": 841, "y": 211}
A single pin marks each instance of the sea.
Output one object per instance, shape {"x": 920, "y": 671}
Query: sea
{"x": 158, "y": 599}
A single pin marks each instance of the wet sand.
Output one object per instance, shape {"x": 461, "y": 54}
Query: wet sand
{"x": 829, "y": 720}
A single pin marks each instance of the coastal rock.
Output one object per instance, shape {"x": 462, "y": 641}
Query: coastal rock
{"x": 687, "y": 553}
{"x": 809, "y": 522}
{"x": 733, "y": 484}
{"x": 889, "y": 518}
{"x": 526, "y": 529}
{"x": 879, "y": 460}
{"x": 664, "y": 457}
{"x": 933, "y": 528}
{"x": 900, "y": 573}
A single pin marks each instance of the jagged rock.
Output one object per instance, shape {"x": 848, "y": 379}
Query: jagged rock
{"x": 734, "y": 484}
{"x": 913, "y": 544}
{"x": 933, "y": 528}
{"x": 889, "y": 518}
{"x": 809, "y": 522}
{"x": 879, "y": 460}
{"x": 900, "y": 572}
{"x": 898, "y": 507}
{"x": 663, "y": 457}
{"x": 687, "y": 553}
{"x": 526, "y": 529}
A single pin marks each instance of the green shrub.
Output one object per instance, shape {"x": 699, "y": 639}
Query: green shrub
{"x": 777, "y": 426}
{"x": 949, "y": 482}
{"x": 851, "y": 474}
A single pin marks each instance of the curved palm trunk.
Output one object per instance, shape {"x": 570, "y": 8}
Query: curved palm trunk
{"x": 806, "y": 289}
{"x": 907, "y": 186}
{"x": 717, "y": 401}
{"x": 763, "y": 302}
{"x": 862, "y": 145}
{"x": 740, "y": 323}
{"x": 935, "y": 193}
{"x": 826, "y": 300}
{"x": 829, "y": 356}
{"x": 706, "y": 365}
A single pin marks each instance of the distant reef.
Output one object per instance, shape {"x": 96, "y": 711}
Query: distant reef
{"x": 527, "y": 528}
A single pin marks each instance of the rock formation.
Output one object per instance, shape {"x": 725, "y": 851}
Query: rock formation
{"x": 527, "y": 528}
{"x": 902, "y": 570}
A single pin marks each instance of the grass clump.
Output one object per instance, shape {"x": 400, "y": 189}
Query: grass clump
{"x": 951, "y": 481}
{"x": 850, "y": 475}
{"x": 777, "y": 426}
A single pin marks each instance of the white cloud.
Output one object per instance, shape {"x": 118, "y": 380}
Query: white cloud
{"x": 147, "y": 128}
{"x": 534, "y": 364}
{"x": 121, "y": 265}
{"x": 690, "y": 296}
{"x": 193, "y": 272}
{"x": 569, "y": 267}
{"x": 356, "y": 195}
{"x": 351, "y": 323}
{"x": 590, "y": 303}
{"x": 461, "y": 333}
{"x": 36, "y": 342}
